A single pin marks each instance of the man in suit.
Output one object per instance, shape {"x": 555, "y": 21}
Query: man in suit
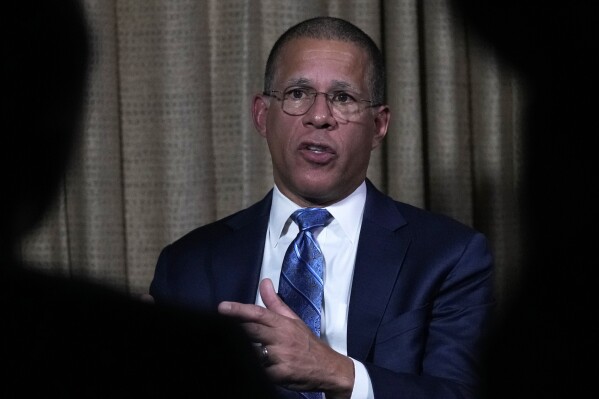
{"x": 63, "y": 338}
{"x": 407, "y": 293}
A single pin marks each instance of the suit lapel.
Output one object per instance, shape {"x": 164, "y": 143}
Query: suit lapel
{"x": 237, "y": 259}
{"x": 381, "y": 250}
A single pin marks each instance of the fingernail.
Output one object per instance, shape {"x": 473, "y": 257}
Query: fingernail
{"x": 224, "y": 307}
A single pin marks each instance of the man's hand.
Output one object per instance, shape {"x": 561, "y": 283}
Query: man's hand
{"x": 297, "y": 359}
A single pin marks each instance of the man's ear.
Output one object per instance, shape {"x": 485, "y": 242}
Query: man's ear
{"x": 260, "y": 112}
{"x": 381, "y": 124}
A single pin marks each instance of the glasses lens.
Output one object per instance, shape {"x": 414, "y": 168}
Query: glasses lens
{"x": 344, "y": 109}
{"x": 297, "y": 106}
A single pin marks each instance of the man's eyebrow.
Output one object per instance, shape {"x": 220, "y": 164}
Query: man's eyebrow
{"x": 335, "y": 85}
{"x": 298, "y": 82}
{"x": 340, "y": 84}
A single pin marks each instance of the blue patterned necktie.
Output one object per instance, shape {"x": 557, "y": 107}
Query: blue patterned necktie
{"x": 301, "y": 284}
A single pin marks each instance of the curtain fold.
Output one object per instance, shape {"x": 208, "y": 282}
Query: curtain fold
{"x": 169, "y": 144}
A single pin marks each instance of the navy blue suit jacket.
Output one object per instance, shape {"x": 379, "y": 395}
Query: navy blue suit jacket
{"x": 420, "y": 302}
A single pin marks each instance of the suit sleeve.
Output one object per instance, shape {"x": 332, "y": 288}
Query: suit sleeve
{"x": 159, "y": 286}
{"x": 182, "y": 279}
{"x": 456, "y": 322}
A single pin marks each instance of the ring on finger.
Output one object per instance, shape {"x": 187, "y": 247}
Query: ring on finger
{"x": 264, "y": 355}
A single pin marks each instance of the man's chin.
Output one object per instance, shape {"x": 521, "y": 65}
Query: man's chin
{"x": 319, "y": 192}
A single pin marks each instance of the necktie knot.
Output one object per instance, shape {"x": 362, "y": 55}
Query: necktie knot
{"x": 309, "y": 218}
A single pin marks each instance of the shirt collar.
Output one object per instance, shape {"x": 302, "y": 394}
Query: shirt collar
{"x": 344, "y": 212}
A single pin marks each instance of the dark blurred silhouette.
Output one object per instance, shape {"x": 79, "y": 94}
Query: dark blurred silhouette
{"x": 75, "y": 339}
{"x": 546, "y": 343}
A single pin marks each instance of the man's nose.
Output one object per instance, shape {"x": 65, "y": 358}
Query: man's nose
{"x": 320, "y": 113}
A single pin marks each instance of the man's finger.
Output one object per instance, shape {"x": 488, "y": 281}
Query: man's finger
{"x": 250, "y": 313}
{"x": 272, "y": 301}
{"x": 243, "y": 311}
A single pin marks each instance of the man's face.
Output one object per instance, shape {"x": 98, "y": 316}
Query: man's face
{"x": 319, "y": 158}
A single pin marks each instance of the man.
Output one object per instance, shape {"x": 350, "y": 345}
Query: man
{"x": 74, "y": 339}
{"x": 407, "y": 294}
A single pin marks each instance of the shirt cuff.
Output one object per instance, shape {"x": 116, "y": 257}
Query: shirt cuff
{"x": 362, "y": 384}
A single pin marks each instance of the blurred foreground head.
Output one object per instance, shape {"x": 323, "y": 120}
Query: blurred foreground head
{"x": 544, "y": 344}
{"x": 45, "y": 49}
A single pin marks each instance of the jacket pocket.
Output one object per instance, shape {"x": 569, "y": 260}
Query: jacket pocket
{"x": 400, "y": 342}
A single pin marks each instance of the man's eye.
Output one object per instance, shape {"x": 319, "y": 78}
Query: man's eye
{"x": 343, "y": 98}
{"x": 296, "y": 94}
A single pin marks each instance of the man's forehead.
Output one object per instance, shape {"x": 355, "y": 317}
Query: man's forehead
{"x": 308, "y": 62}
{"x": 338, "y": 53}
{"x": 319, "y": 48}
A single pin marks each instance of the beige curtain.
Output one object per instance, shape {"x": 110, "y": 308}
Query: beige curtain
{"x": 169, "y": 145}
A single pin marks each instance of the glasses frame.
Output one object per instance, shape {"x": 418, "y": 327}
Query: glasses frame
{"x": 315, "y": 94}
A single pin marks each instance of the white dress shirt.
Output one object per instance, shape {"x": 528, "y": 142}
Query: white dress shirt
{"x": 338, "y": 242}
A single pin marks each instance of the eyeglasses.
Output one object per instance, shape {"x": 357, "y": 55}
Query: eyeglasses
{"x": 343, "y": 105}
